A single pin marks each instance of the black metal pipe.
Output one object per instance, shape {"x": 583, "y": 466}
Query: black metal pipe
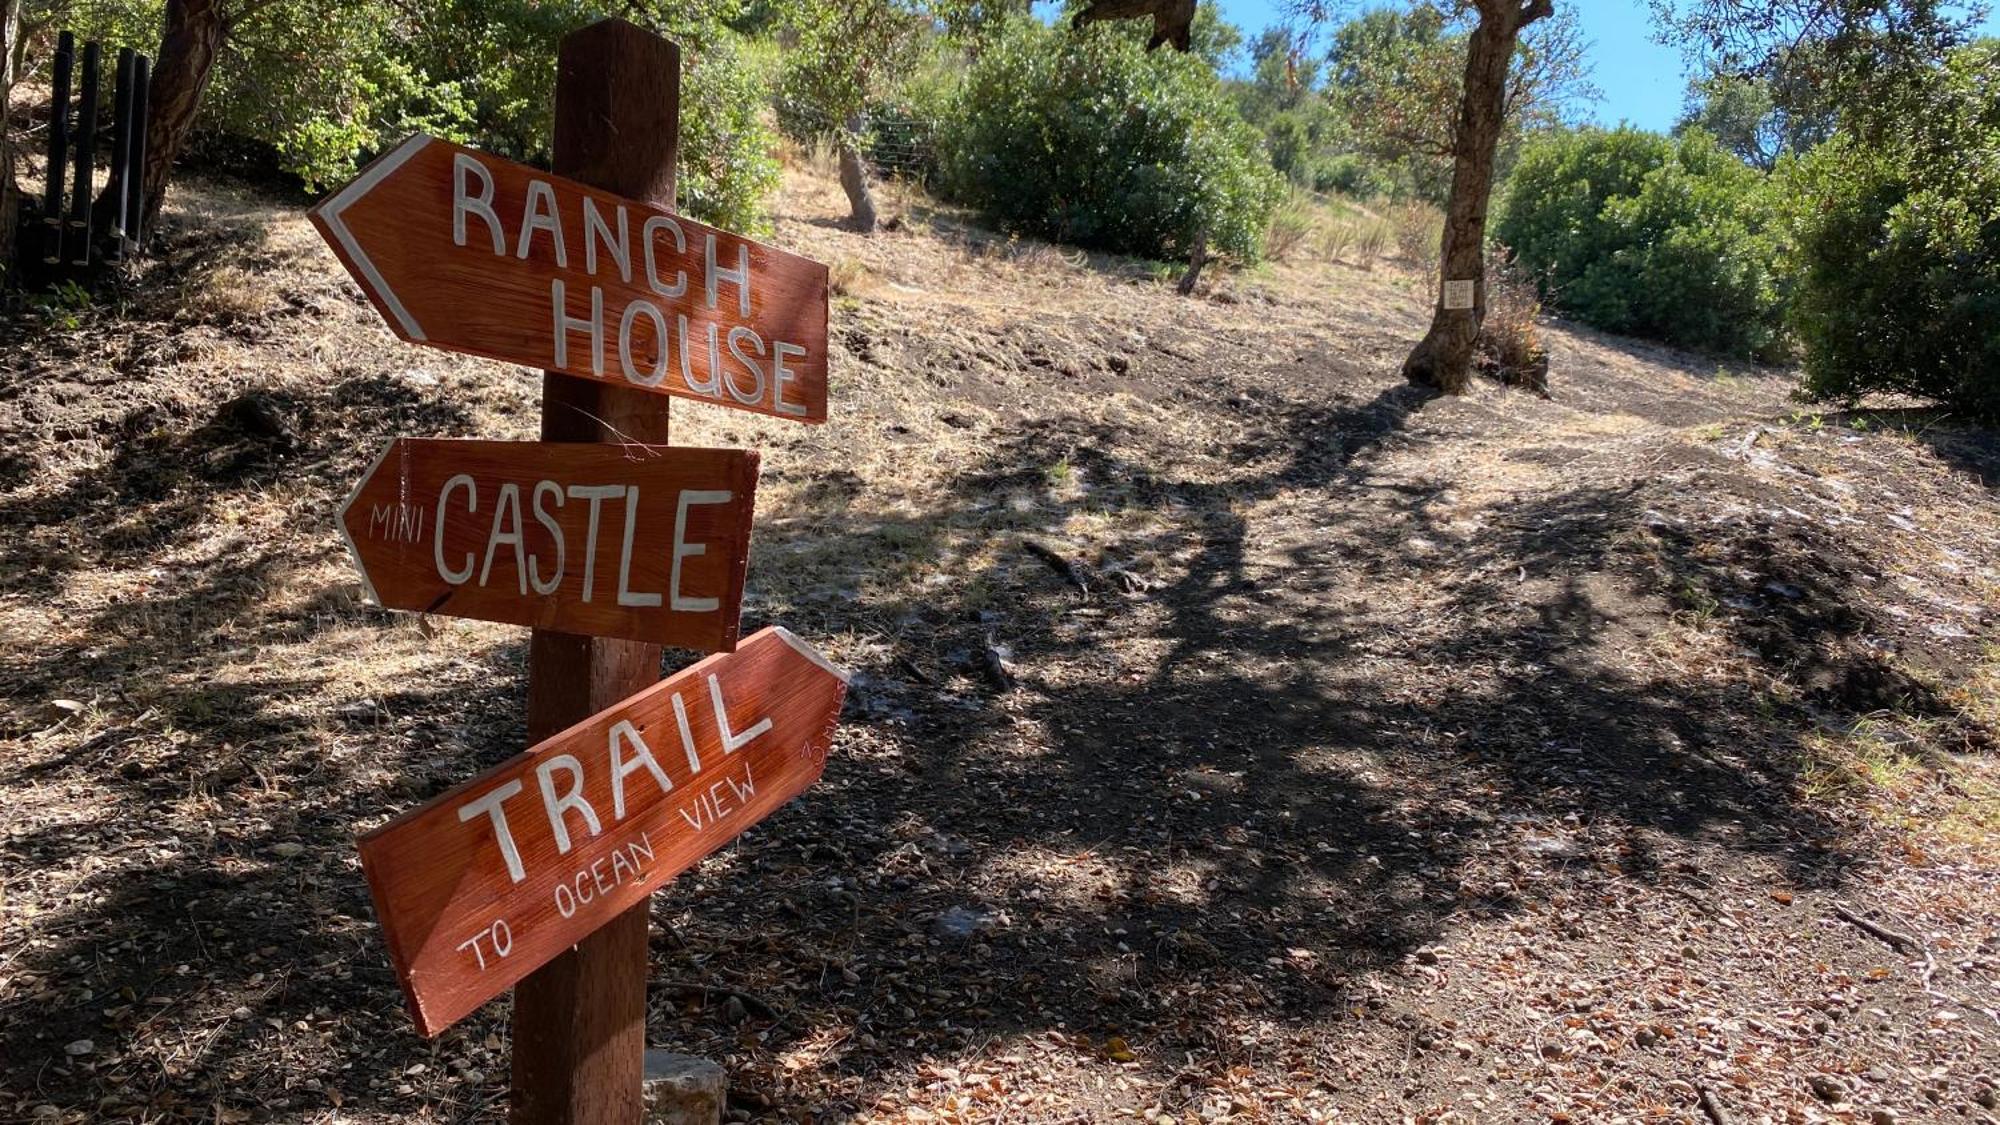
{"x": 121, "y": 148}
{"x": 54, "y": 180}
{"x": 86, "y": 158}
{"x": 135, "y": 160}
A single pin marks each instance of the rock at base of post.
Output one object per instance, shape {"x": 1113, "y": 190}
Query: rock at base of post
{"x": 683, "y": 1089}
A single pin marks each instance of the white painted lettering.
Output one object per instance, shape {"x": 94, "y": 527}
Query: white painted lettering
{"x": 646, "y": 232}
{"x": 596, "y": 230}
{"x": 463, "y": 167}
{"x": 544, "y": 489}
{"x": 685, "y": 550}
{"x": 597, "y": 494}
{"x": 510, "y": 501}
{"x": 713, "y": 386}
{"x": 780, "y": 375}
{"x": 455, "y": 577}
{"x": 731, "y": 743}
{"x": 740, "y": 275}
{"x": 493, "y": 807}
{"x": 626, "y": 595}
{"x": 642, "y": 307}
{"x": 621, "y": 768}
{"x": 566, "y": 324}
{"x": 737, "y": 335}
{"x": 539, "y": 213}
{"x": 687, "y": 736}
{"x": 557, "y": 807}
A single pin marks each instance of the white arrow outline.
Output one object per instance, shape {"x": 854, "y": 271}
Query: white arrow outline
{"x": 353, "y": 552}
{"x": 363, "y": 184}
{"x": 810, "y": 653}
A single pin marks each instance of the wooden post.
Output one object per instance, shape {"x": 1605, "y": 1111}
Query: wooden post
{"x": 580, "y": 1022}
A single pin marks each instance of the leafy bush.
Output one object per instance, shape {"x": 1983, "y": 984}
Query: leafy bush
{"x": 1085, "y": 137}
{"x": 1897, "y": 265}
{"x": 320, "y": 85}
{"x": 1668, "y": 238}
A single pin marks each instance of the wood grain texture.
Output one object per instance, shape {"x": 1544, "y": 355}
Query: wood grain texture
{"x": 463, "y": 922}
{"x": 579, "y": 1023}
{"x": 481, "y": 279}
{"x": 525, "y": 533}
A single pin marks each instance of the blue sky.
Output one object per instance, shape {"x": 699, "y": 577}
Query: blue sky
{"x": 1643, "y": 82}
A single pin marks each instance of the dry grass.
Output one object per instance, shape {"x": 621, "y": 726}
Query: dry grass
{"x": 228, "y": 294}
{"x": 1291, "y": 227}
{"x": 1419, "y": 231}
{"x": 1333, "y": 229}
{"x": 1295, "y": 650}
{"x": 1509, "y": 337}
{"x": 848, "y": 276}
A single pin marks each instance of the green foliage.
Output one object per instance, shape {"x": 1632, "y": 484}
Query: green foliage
{"x": 1668, "y": 238}
{"x": 1761, "y": 118}
{"x": 315, "y": 81}
{"x": 323, "y": 84}
{"x": 842, "y": 53}
{"x": 1395, "y": 76}
{"x": 1898, "y": 249}
{"x": 1084, "y": 136}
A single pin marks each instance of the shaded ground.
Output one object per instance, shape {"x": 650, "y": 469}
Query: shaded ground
{"x": 1483, "y": 759}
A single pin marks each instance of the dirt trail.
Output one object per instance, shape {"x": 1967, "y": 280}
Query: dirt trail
{"x": 1483, "y": 759}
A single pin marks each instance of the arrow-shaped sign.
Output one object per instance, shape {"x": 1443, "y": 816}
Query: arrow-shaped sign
{"x": 465, "y": 251}
{"x": 645, "y": 542}
{"x": 486, "y": 883}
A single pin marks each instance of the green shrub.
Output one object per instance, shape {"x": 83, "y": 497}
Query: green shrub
{"x": 1353, "y": 175}
{"x": 1897, "y": 267}
{"x": 1085, "y": 137}
{"x": 1667, "y": 238}
{"x": 314, "y": 87}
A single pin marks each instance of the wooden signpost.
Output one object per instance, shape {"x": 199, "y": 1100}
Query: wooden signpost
{"x": 465, "y": 251}
{"x": 645, "y": 542}
{"x": 608, "y": 543}
{"x": 491, "y": 880}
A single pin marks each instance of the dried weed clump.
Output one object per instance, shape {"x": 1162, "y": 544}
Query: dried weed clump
{"x": 228, "y": 294}
{"x": 1510, "y": 344}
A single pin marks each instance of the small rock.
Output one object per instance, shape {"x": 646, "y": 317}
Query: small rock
{"x": 64, "y": 708}
{"x": 963, "y": 922}
{"x": 733, "y": 1012}
{"x": 1883, "y": 1116}
{"x": 1828, "y": 1090}
{"x": 288, "y": 850}
{"x": 683, "y": 1089}
{"x": 79, "y": 1048}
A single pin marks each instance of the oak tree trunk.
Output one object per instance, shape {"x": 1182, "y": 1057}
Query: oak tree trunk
{"x": 1443, "y": 359}
{"x": 854, "y": 179}
{"x": 189, "y": 45}
{"x": 10, "y": 195}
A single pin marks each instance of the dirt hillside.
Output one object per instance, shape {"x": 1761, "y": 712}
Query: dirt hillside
{"x": 1484, "y": 759}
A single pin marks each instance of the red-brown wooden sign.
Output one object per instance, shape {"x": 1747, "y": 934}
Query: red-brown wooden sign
{"x": 486, "y": 883}
{"x": 646, "y": 542}
{"x": 471, "y": 253}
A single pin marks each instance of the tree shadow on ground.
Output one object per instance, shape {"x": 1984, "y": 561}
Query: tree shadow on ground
{"x": 1283, "y": 785}
{"x": 1237, "y": 789}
